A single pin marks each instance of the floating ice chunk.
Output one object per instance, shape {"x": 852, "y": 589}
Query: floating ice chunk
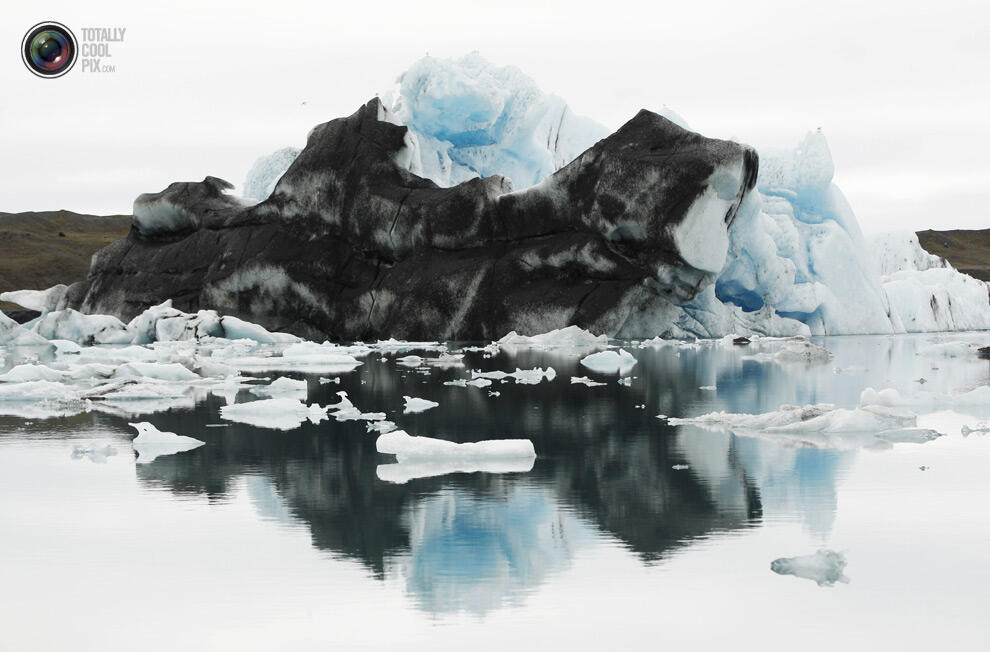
{"x": 236, "y": 329}
{"x": 825, "y": 567}
{"x": 821, "y": 418}
{"x": 40, "y": 300}
{"x": 173, "y": 372}
{"x": 37, "y": 390}
{"x": 418, "y": 404}
{"x": 406, "y": 447}
{"x": 680, "y": 467}
{"x": 396, "y": 346}
{"x": 96, "y": 451}
{"x": 284, "y": 388}
{"x": 584, "y": 380}
{"x": 13, "y": 334}
{"x": 325, "y": 363}
{"x": 569, "y": 337}
{"x": 28, "y": 372}
{"x": 802, "y": 351}
{"x": 965, "y": 350}
{"x": 403, "y": 472}
{"x": 152, "y": 442}
{"x": 133, "y": 389}
{"x": 410, "y": 361}
{"x": 979, "y": 428}
{"x": 462, "y": 382}
{"x": 709, "y": 388}
{"x": 275, "y": 413}
{"x": 523, "y": 376}
{"x": 327, "y": 381}
{"x": 446, "y": 360}
{"x": 347, "y": 411}
{"x": 380, "y": 426}
{"x": 82, "y": 329}
{"x": 610, "y": 362}
{"x": 978, "y": 397}
{"x": 627, "y": 381}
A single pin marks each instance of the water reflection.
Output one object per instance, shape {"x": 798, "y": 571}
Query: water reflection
{"x": 474, "y": 541}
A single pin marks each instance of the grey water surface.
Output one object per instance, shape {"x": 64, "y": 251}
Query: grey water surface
{"x": 270, "y": 540}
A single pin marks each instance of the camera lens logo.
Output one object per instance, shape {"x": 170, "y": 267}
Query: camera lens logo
{"x": 49, "y": 49}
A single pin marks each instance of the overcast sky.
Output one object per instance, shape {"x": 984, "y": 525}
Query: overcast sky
{"x": 900, "y": 88}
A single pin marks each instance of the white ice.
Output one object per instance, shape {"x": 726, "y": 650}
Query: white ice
{"x": 413, "y": 405}
{"x": 274, "y": 413}
{"x": 824, "y": 567}
{"x": 584, "y": 380}
{"x": 570, "y": 337}
{"x": 610, "y": 362}
{"x": 406, "y": 447}
{"x": 282, "y": 388}
{"x": 152, "y": 443}
{"x": 403, "y": 472}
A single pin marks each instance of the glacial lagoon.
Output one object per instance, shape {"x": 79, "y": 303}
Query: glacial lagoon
{"x": 625, "y": 529}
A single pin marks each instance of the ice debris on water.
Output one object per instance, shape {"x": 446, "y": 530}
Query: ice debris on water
{"x": 152, "y": 443}
{"x": 347, "y": 411}
{"x": 584, "y": 380}
{"x": 274, "y": 413}
{"x": 522, "y": 376}
{"x": 406, "y": 447}
{"x": 825, "y": 567}
{"x": 413, "y": 405}
{"x": 609, "y": 362}
{"x": 571, "y": 337}
{"x": 282, "y": 388}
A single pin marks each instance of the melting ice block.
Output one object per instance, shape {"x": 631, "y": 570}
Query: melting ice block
{"x": 152, "y": 442}
{"x": 406, "y": 447}
{"x": 569, "y": 337}
{"x": 825, "y": 567}
{"x": 610, "y": 362}
{"x": 283, "y": 388}
{"x": 418, "y": 404}
{"x": 275, "y": 413}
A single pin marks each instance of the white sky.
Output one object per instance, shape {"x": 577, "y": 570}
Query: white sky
{"x": 900, "y": 88}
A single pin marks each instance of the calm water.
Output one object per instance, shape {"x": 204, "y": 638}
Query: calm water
{"x": 270, "y": 540}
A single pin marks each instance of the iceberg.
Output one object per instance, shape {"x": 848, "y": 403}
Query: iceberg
{"x": 572, "y": 337}
{"x": 522, "y": 376}
{"x": 584, "y": 380}
{"x": 825, "y": 567}
{"x": 152, "y": 443}
{"x": 610, "y": 362}
{"x": 414, "y": 405}
{"x": 406, "y": 447}
{"x": 40, "y": 300}
{"x": 283, "y": 387}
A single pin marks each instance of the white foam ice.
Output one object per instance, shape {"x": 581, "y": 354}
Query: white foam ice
{"x": 532, "y": 376}
{"x": 413, "y": 405}
{"x": 409, "y": 448}
{"x": 610, "y": 362}
{"x": 152, "y": 443}
{"x": 825, "y": 567}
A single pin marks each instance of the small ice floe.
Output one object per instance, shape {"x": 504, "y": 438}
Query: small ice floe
{"x": 980, "y": 428}
{"x": 680, "y": 467}
{"x": 709, "y": 388}
{"x": 663, "y": 417}
{"x": 282, "y": 388}
{"x": 152, "y": 442}
{"x": 794, "y": 350}
{"x": 494, "y": 394}
{"x": 23, "y": 373}
{"x": 949, "y": 350}
{"x": 463, "y": 382}
{"x": 411, "y": 361}
{"x": 403, "y": 472}
{"x": 573, "y": 337}
{"x": 609, "y": 362}
{"x": 323, "y": 363}
{"x": 380, "y": 426}
{"x": 96, "y": 451}
{"x": 327, "y": 381}
{"x": 627, "y": 381}
{"x": 641, "y": 406}
{"x": 414, "y": 405}
{"x": 397, "y": 346}
{"x": 346, "y": 411}
{"x": 532, "y": 376}
{"x": 825, "y": 567}
{"x": 408, "y": 448}
{"x": 446, "y": 360}
{"x": 978, "y": 397}
{"x": 274, "y": 413}
{"x": 584, "y": 380}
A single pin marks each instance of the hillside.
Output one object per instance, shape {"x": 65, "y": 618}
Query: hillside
{"x": 968, "y": 251}
{"x": 41, "y": 249}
